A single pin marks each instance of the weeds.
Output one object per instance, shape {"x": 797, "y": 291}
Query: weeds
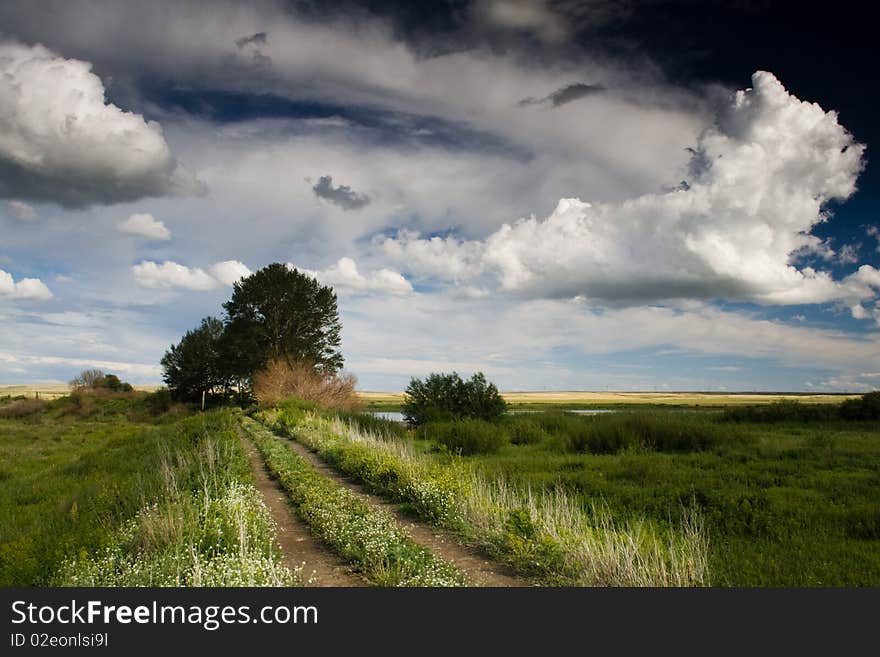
{"x": 368, "y": 537}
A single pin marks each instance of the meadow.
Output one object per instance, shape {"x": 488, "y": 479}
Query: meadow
{"x": 132, "y": 489}
{"x": 114, "y": 490}
{"x": 788, "y": 493}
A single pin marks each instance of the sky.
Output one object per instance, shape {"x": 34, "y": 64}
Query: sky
{"x": 596, "y": 195}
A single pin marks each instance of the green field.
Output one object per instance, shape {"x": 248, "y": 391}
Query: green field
{"x": 130, "y": 489}
{"x": 796, "y": 506}
{"x": 105, "y": 492}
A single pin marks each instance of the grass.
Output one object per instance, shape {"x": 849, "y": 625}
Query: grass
{"x": 543, "y": 533}
{"x": 369, "y": 538}
{"x": 86, "y": 501}
{"x": 784, "y": 503}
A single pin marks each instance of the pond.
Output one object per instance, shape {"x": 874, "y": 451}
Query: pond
{"x": 394, "y": 416}
{"x": 397, "y": 416}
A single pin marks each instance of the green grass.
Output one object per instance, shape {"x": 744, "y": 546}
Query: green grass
{"x": 108, "y": 501}
{"x": 784, "y": 503}
{"x": 541, "y": 534}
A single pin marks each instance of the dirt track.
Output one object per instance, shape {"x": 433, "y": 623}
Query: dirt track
{"x": 479, "y": 570}
{"x": 300, "y": 547}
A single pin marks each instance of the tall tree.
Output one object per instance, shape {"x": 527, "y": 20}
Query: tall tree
{"x": 194, "y": 366}
{"x": 279, "y": 312}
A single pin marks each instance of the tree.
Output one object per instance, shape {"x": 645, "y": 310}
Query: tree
{"x": 279, "y": 312}
{"x": 447, "y": 397}
{"x": 193, "y": 366}
{"x": 87, "y": 379}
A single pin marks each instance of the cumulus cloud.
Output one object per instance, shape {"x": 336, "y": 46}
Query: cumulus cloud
{"x": 21, "y": 210}
{"x": 144, "y": 225}
{"x": 171, "y": 275}
{"x": 32, "y": 289}
{"x": 344, "y": 275}
{"x": 60, "y": 141}
{"x": 229, "y": 272}
{"x": 343, "y": 195}
{"x": 766, "y": 168}
{"x": 567, "y": 94}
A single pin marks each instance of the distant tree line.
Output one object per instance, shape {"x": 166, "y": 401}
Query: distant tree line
{"x": 275, "y": 313}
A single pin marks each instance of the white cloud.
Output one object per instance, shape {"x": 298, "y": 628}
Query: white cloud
{"x": 344, "y": 276}
{"x": 229, "y": 272}
{"x": 60, "y": 141}
{"x": 171, "y": 274}
{"x": 32, "y": 289}
{"x": 144, "y": 225}
{"x": 759, "y": 179}
{"x": 174, "y": 275}
{"x": 21, "y": 210}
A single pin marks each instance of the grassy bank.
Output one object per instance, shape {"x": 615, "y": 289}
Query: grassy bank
{"x": 104, "y": 500}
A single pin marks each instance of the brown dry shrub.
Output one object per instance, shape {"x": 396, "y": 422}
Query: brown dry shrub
{"x": 283, "y": 380}
{"x": 23, "y": 408}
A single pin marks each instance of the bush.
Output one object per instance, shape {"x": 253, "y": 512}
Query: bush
{"x": 158, "y": 402}
{"x": 444, "y": 397}
{"x": 527, "y": 432}
{"x": 466, "y": 436}
{"x": 22, "y": 408}
{"x": 781, "y": 411}
{"x": 97, "y": 380}
{"x": 285, "y": 380}
{"x": 865, "y": 408}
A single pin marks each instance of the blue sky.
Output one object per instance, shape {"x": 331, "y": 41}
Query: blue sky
{"x": 564, "y": 195}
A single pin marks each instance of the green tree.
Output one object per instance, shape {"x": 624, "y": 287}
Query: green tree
{"x": 443, "y": 397}
{"x": 193, "y": 366}
{"x": 279, "y": 312}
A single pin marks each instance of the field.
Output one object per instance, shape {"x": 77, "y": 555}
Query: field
{"x": 605, "y": 399}
{"x": 130, "y": 489}
{"x": 48, "y": 390}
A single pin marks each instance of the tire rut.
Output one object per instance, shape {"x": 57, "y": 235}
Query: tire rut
{"x": 480, "y": 570}
{"x": 320, "y": 566}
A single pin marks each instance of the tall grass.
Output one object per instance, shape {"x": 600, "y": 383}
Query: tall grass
{"x": 208, "y": 526}
{"x": 544, "y": 533}
{"x": 282, "y": 380}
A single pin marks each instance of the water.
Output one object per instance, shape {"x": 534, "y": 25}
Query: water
{"x": 394, "y": 416}
{"x": 397, "y": 416}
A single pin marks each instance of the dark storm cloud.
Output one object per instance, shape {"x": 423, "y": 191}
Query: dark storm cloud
{"x": 343, "y": 195}
{"x": 565, "y": 95}
{"x": 259, "y": 37}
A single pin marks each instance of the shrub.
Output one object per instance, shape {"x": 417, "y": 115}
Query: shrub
{"x": 466, "y": 436}
{"x": 284, "y": 380}
{"x": 781, "y": 411}
{"x": 527, "y": 433}
{"x": 97, "y": 380}
{"x": 87, "y": 379}
{"x": 22, "y": 408}
{"x": 158, "y": 402}
{"x": 443, "y": 397}
{"x": 867, "y": 407}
